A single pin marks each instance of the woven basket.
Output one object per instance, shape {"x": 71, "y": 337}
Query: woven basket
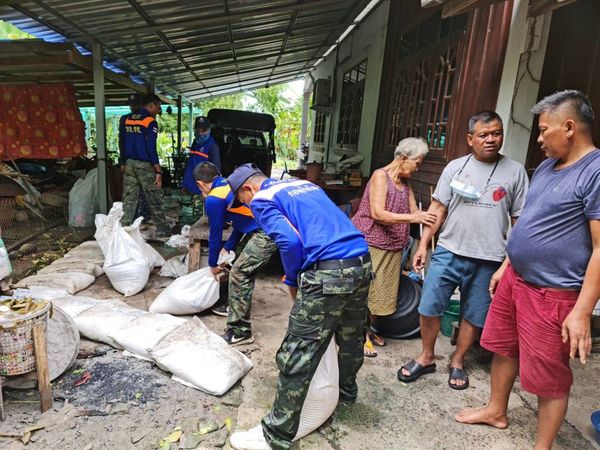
{"x": 16, "y": 343}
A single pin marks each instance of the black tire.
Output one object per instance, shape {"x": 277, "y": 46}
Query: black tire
{"x": 404, "y": 323}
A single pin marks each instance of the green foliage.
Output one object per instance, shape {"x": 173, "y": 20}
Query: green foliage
{"x": 233, "y": 101}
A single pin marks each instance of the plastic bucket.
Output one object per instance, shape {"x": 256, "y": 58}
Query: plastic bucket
{"x": 313, "y": 171}
{"x": 451, "y": 314}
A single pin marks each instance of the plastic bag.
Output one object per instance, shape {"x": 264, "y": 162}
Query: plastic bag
{"x": 199, "y": 358}
{"x": 5, "y": 267}
{"x": 180, "y": 240}
{"x": 144, "y": 332}
{"x": 83, "y": 201}
{"x": 175, "y": 267}
{"x": 323, "y": 393}
{"x": 190, "y": 294}
{"x": 101, "y": 321}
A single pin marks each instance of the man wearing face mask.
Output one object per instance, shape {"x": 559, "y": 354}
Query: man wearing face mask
{"x": 475, "y": 197}
{"x": 204, "y": 148}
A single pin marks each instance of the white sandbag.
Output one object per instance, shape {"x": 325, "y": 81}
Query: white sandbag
{"x": 83, "y": 201}
{"x": 89, "y": 251}
{"x": 5, "y": 267}
{"x": 154, "y": 258}
{"x": 323, "y": 393}
{"x": 125, "y": 263}
{"x": 199, "y": 358}
{"x": 75, "y": 304}
{"x": 40, "y": 293}
{"x": 175, "y": 267}
{"x": 144, "y": 332}
{"x": 72, "y": 282}
{"x": 190, "y": 294}
{"x": 74, "y": 265}
{"x": 101, "y": 321}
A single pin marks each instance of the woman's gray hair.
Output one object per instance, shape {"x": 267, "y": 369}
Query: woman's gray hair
{"x": 412, "y": 148}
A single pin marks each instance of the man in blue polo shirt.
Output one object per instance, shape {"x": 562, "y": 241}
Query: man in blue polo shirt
{"x": 142, "y": 168}
{"x": 221, "y": 208}
{"x": 328, "y": 272}
{"x": 204, "y": 148}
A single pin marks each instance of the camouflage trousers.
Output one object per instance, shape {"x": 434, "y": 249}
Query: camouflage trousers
{"x": 330, "y": 303}
{"x": 255, "y": 254}
{"x": 139, "y": 175}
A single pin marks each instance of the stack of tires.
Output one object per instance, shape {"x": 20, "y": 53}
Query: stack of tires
{"x": 404, "y": 323}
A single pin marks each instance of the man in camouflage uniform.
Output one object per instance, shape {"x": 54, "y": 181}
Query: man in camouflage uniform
{"x": 142, "y": 168}
{"x": 221, "y": 208}
{"x": 328, "y": 272}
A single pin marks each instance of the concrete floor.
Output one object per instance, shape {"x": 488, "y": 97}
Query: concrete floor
{"x": 387, "y": 415}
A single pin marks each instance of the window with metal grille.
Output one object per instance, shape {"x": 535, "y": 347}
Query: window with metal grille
{"x": 319, "y": 135}
{"x": 353, "y": 89}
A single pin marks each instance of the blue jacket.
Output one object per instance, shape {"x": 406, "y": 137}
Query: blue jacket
{"x": 137, "y": 135}
{"x": 305, "y": 224}
{"x": 209, "y": 151}
{"x": 219, "y": 211}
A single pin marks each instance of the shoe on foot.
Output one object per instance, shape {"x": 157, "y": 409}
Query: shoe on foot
{"x": 253, "y": 439}
{"x": 233, "y": 339}
{"x": 221, "y": 310}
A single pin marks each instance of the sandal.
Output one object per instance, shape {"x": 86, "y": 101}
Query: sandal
{"x": 377, "y": 340}
{"x": 368, "y": 349}
{"x": 415, "y": 370}
{"x": 458, "y": 374}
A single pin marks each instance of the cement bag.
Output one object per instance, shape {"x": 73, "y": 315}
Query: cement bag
{"x": 99, "y": 322}
{"x": 83, "y": 201}
{"x": 144, "y": 332}
{"x": 73, "y": 305}
{"x": 125, "y": 264}
{"x": 71, "y": 282}
{"x": 89, "y": 251}
{"x": 190, "y": 294}
{"x": 199, "y": 358}
{"x": 106, "y": 224}
{"x": 323, "y": 393}
{"x": 175, "y": 267}
{"x": 154, "y": 258}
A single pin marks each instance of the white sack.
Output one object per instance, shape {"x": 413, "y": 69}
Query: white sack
{"x": 5, "y": 267}
{"x": 154, "y": 258}
{"x": 72, "y": 282}
{"x": 74, "y": 304}
{"x": 175, "y": 267}
{"x": 74, "y": 265}
{"x": 89, "y": 251}
{"x": 83, "y": 201}
{"x": 144, "y": 332}
{"x": 99, "y": 322}
{"x": 180, "y": 240}
{"x": 190, "y": 294}
{"x": 199, "y": 358}
{"x": 323, "y": 393}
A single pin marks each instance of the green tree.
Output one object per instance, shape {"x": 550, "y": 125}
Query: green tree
{"x": 10, "y": 32}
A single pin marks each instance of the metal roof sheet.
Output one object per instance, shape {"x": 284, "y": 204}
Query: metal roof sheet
{"x": 194, "y": 48}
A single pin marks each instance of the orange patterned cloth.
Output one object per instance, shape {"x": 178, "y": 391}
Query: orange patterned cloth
{"x": 40, "y": 122}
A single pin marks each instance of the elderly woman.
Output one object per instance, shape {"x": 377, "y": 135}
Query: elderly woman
{"x": 386, "y": 210}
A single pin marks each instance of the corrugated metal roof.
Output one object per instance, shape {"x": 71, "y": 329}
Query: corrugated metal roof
{"x": 195, "y": 48}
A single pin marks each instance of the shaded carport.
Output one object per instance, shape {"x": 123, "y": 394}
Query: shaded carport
{"x": 182, "y": 49}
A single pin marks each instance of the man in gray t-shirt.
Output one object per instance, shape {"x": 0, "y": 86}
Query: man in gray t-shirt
{"x": 477, "y": 195}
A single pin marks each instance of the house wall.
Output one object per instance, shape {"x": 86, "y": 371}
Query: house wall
{"x": 367, "y": 41}
{"x": 519, "y": 88}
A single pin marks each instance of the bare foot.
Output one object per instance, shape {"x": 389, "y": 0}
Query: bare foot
{"x": 482, "y": 416}
{"x": 423, "y": 360}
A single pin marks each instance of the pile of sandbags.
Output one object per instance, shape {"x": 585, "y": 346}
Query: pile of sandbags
{"x": 195, "y": 356}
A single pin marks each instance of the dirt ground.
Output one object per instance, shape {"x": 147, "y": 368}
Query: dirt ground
{"x": 131, "y": 404}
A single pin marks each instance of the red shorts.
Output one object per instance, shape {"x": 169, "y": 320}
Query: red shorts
{"x": 525, "y": 322}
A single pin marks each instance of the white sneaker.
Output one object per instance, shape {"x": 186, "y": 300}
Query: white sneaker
{"x": 253, "y": 439}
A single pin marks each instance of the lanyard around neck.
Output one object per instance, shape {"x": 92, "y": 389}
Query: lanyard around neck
{"x": 491, "y": 174}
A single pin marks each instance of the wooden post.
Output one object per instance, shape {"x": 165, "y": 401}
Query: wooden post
{"x": 41, "y": 364}
{"x": 194, "y": 256}
{"x": 1, "y": 402}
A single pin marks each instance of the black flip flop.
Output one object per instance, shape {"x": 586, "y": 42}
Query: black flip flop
{"x": 458, "y": 374}
{"x": 415, "y": 369}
